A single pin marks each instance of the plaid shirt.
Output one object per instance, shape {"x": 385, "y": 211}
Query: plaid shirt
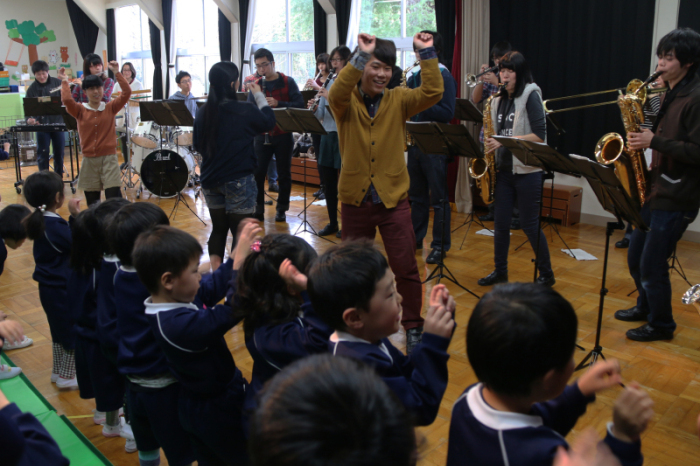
{"x": 488, "y": 90}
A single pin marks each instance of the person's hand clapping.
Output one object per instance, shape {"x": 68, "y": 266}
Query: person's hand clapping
{"x": 440, "y": 319}
{"x": 600, "y": 376}
{"x": 632, "y": 412}
{"x": 74, "y": 206}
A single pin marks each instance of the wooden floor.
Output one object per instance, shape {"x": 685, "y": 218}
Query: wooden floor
{"x": 670, "y": 371}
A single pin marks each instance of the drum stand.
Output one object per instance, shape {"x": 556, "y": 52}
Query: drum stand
{"x": 128, "y": 172}
{"x": 181, "y": 199}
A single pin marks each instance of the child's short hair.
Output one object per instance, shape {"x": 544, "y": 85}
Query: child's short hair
{"x": 129, "y": 223}
{"x": 163, "y": 249}
{"x": 40, "y": 189}
{"x": 385, "y": 51}
{"x": 517, "y": 333}
{"x": 345, "y": 276}
{"x": 92, "y": 81}
{"x": 181, "y": 75}
{"x": 262, "y": 294}
{"x": 11, "y": 226}
{"x": 330, "y": 410}
{"x": 39, "y": 65}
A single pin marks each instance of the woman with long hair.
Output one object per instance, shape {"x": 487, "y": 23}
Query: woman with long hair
{"x": 517, "y": 111}
{"x": 92, "y": 65}
{"x": 224, "y": 130}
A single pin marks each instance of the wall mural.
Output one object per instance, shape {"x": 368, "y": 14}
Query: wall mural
{"x": 26, "y": 34}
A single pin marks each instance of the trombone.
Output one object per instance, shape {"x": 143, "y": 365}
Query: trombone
{"x": 472, "y": 80}
{"x": 619, "y": 91}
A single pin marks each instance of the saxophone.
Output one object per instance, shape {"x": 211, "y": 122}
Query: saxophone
{"x": 630, "y": 165}
{"x": 484, "y": 170}
{"x": 409, "y": 140}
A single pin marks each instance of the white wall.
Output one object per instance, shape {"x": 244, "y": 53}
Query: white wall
{"x": 331, "y": 32}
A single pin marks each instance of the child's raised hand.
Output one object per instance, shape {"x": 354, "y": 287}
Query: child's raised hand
{"x": 633, "y": 410}
{"x": 292, "y": 277}
{"x": 600, "y": 376}
{"x": 74, "y": 206}
{"x": 11, "y": 331}
{"x": 436, "y": 295}
{"x": 439, "y": 320}
{"x": 249, "y": 230}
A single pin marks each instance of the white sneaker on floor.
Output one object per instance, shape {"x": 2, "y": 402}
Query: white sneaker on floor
{"x": 126, "y": 431}
{"x": 111, "y": 431}
{"x": 130, "y": 446}
{"x": 100, "y": 417}
{"x": 22, "y": 344}
{"x": 54, "y": 378}
{"x": 7, "y": 372}
{"x": 67, "y": 383}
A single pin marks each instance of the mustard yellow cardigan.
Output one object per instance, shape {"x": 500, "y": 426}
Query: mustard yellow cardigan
{"x": 372, "y": 149}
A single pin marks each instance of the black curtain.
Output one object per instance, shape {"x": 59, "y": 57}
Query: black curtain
{"x": 320, "y": 41}
{"x": 111, "y": 38}
{"x": 342, "y": 12}
{"x": 157, "y": 67}
{"x": 243, "y": 18}
{"x": 445, "y": 17}
{"x": 83, "y": 27}
{"x": 689, "y": 15}
{"x": 167, "y": 28}
{"x": 577, "y": 47}
{"x": 224, "y": 37}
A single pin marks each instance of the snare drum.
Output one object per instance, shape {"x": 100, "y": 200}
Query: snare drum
{"x": 182, "y": 136}
{"x": 146, "y": 135}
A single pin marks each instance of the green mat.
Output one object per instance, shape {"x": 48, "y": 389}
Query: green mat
{"x": 73, "y": 444}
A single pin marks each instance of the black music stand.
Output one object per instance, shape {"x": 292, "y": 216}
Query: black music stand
{"x": 614, "y": 199}
{"x": 465, "y": 110}
{"x": 453, "y": 141}
{"x": 301, "y": 121}
{"x": 537, "y": 154}
{"x": 169, "y": 113}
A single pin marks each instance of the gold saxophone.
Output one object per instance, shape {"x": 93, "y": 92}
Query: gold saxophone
{"x": 484, "y": 170}
{"x": 409, "y": 140}
{"x": 630, "y": 165}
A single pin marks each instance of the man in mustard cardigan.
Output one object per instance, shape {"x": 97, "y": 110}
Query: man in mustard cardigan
{"x": 373, "y": 185}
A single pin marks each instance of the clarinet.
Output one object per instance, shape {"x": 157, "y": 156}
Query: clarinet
{"x": 317, "y": 97}
{"x": 267, "y": 142}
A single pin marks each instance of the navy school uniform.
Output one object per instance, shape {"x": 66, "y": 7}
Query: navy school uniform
{"x": 273, "y": 347}
{"x": 480, "y": 434}
{"x": 106, "y": 308}
{"x": 52, "y": 258}
{"x": 98, "y": 377}
{"x": 419, "y": 380}
{"x": 3, "y": 255}
{"x": 25, "y": 442}
{"x": 212, "y": 387}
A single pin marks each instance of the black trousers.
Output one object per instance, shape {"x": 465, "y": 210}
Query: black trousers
{"x": 281, "y": 148}
{"x": 329, "y": 178}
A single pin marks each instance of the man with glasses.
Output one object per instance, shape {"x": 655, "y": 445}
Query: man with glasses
{"x": 280, "y": 91}
{"x": 184, "y": 82}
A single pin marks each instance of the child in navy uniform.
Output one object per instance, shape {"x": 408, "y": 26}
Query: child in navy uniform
{"x": 192, "y": 338}
{"x": 520, "y": 342}
{"x": 13, "y": 234}
{"x": 324, "y": 410}
{"x": 353, "y": 290}
{"x": 152, "y": 389}
{"x": 98, "y": 377}
{"x": 52, "y": 247}
{"x": 279, "y": 322}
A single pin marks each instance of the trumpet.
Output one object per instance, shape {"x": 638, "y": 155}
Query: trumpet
{"x": 472, "y": 80}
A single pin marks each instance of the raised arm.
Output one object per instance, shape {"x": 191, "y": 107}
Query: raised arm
{"x": 72, "y": 106}
{"x": 340, "y": 94}
{"x": 120, "y": 102}
{"x": 432, "y": 87}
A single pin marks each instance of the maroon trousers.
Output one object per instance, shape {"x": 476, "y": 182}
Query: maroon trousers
{"x": 400, "y": 244}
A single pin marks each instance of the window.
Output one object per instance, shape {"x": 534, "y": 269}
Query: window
{"x": 196, "y": 42}
{"x": 134, "y": 42}
{"x": 286, "y": 28}
{"x": 398, "y": 20}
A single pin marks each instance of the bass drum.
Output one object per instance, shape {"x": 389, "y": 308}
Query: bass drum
{"x": 165, "y": 173}
{"x": 143, "y": 140}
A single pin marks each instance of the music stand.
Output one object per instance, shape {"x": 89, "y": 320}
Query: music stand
{"x": 537, "y": 154}
{"x": 53, "y": 106}
{"x": 453, "y": 141}
{"x": 169, "y": 113}
{"x": 308, "y": 95}
{"x": 614, "y": 199}
{"x": 301, "y": 121}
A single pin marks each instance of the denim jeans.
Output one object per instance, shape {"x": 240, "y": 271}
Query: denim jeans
{"x": 428, "y": 187}
{"x": 528, "y": 188}
{"x": 647, "y": 258}
{"x": 272, "y": 171}
{"x": 281, "y": 147}
{"x": 43, "y": 139}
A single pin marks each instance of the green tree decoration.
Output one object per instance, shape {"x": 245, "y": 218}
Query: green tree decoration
{"x": 28, "y": 34}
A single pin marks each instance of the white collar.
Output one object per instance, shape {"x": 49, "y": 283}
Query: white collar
{"x": 494, "y": 419}
{"x": 112, "y": 258}
{"x": 126, "y": 268}
{"x": 153, "y": 308}
{"x": 51, "y": 214}
{"x": 99, "y": 109}
{"x": 344, "y": 336}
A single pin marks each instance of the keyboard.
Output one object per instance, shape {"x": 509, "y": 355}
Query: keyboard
{"x": 39, "y": 128}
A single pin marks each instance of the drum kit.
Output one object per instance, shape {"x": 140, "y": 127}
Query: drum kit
{"x": 163, "y": 157}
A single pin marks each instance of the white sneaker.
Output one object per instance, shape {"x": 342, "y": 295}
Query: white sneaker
{"x": 54, "y": 378}
{"x": 7, "y": 372}
{"x": 22, "y": 344}
{"x": 67, "y": 383}
{"x": 130, "y": 446}
{"x": 111, "y": 431}
{"x": 100, "y": 417}
{"x": 126, "y": 431}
